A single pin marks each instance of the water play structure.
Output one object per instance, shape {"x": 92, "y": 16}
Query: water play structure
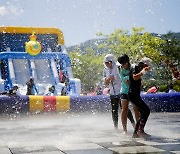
{"x": 40, "y": 53}
{"x": 34, "y": 52}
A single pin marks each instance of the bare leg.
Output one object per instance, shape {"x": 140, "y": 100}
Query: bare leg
{"x": 136, "y": 112}
{"x": 124, "y": 111}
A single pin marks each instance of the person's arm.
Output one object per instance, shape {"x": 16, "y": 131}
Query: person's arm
{"x": 36, "y": 89}
{"x": 108, "y": 80}
{"x": 137, "y": 76}
{"x": 105, "y": 78}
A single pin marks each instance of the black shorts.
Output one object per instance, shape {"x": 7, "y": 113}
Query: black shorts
{"x": 125, "y": 96}
{"x": 115, "y": 96}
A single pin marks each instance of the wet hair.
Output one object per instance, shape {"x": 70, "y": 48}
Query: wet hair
{"x": 123, "y": 59}
{"x": 52, "y": 88}
{"x": 31, "y": 79}
{"x": 15, "y": 87}
{"x": 140, "y": 66}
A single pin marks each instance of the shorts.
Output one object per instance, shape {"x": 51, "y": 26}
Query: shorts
{"x": 125, "y": 96}
{"x": 115, "y": 96}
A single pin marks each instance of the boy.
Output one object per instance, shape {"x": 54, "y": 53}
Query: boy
{"x": 124, "y": 71}
{"x": 135, "y": 98}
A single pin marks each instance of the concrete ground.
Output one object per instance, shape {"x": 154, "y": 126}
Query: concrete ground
{"x": 85, "y": 133}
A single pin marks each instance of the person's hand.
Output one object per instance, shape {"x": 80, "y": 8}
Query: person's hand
{"x": 112, "y": 77}
{"x": 107, "y": 81}
{"x": 145, "y": 69}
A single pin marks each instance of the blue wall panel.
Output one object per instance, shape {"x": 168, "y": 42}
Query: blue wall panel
{"x": 90, "y": 103}
{"x": 163, "y": 102}
{"x": 12, "y": 104}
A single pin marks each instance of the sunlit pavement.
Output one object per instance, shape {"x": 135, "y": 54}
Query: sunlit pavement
{"x": 85, "y": 133}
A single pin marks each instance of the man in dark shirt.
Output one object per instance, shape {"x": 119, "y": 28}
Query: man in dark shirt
{"x": 134, "y": 96}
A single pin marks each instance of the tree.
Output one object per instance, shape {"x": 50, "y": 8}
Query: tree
{"x": 87, "y": 67}
{"x": 137, "y": 45}
{"x": 171, "y": 52}
{"x": 141, "y": 44}
{"x": 162, "y": 50}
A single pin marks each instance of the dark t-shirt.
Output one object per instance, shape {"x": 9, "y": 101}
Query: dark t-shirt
{"x": 134, "y": 85}
{"x": 30, "y": 86}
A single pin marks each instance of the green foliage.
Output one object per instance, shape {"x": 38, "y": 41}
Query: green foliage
{"x": 176, "y": 85}
{"x": 141, "y": 44}
{"x": 137, "y": 45}
{"x": 87, "y": 67}
{"x": 162, "y": 88}
{"x": 171, "y": 48}
{"x": 87, "y": 63}
{"x": 177, "y": 88}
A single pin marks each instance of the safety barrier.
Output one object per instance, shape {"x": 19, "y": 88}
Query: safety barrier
{"x": 160, "y": 102}
{"x": 163, "y": 102}
{"x": 11, "y": 104}
{"x": 90, "y": 103}
{"x": 31, "y": 103}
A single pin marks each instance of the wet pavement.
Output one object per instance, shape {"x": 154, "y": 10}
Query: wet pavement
{"x": 85, "y": 133}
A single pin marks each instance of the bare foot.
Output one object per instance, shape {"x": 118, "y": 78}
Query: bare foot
{"x": 135, "y": 135}
{"x": 133, "y": 124}
{"x": 124, "y": 132}
{"x": 116, "y": 129}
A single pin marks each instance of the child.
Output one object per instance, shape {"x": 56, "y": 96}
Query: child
{"x": 52, "y": 91}
{"x": 135, "y": 98}
{"x": 31, "y": 87}
{"x": 112, "y": 80}
{"x": 65, "y": 89}
{"x": 11, "y": 92}
{"x": 124, "y": 71}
